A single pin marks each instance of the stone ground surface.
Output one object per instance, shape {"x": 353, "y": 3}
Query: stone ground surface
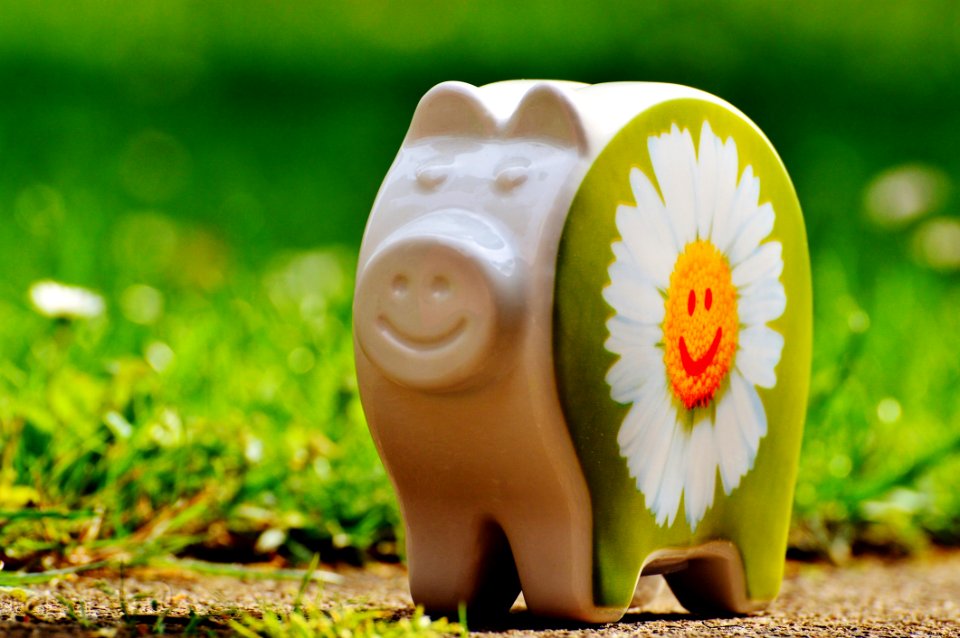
{"x": 920, "y": 597}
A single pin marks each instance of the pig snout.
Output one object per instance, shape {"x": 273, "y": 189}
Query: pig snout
{"x": 438, "y": 302}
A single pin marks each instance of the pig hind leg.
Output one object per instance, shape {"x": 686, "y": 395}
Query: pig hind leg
{"x": 713, "y": 582}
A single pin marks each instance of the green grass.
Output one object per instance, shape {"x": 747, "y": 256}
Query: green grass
{"x": 227, "y": 422}
{"x": 303, "y": 619}
{"x": 208, "y": 171}
{"x": 313, "y": 621}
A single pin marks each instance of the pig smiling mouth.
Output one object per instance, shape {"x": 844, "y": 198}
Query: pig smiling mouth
{"x": 416, "y": 342}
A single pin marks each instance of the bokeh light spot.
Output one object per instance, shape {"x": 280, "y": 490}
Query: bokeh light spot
{"x": 889, "y": 410}
{"x": 858, "y": 321}
{"x": 301, "y": 360}
{"x": 141, "y": 304}
{"x": 899, "y": 195}
{"x": 840, "y": 466}
{"x": 159, "y": 356}
{"x": 936, "y": 244}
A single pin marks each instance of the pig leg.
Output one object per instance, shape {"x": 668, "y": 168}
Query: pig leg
{"x": 554, "y": 559}
{"x": 456, "y": 558}
{"x": 713, "y": 582}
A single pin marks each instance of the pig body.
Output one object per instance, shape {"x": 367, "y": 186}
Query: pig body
{"x": 457, "y": 357}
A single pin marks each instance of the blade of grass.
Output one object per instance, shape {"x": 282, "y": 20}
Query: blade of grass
{"x": 462, "y": 618}
{"x": 307, "y": 577}
{"x": 15, "y": 579}
{"x": 242, "y": 571}
{"x": 8, "y": 516}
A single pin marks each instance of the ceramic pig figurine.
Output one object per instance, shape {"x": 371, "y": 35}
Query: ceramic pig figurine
{"x": 583, "y": 332}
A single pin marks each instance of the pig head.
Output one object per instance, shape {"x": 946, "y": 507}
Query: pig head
{"x": 453, "y": 327}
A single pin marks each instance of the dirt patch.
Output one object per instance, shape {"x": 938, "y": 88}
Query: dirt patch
{"x": 870, "y": 597}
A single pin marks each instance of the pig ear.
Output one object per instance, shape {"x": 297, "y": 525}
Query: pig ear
{"x": 546, "y": 112}
{"x": 451, "y": 108}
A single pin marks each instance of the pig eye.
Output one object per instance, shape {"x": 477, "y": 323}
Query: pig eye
{"x": 431, "y": 176}
{"x": 511, "y": 177}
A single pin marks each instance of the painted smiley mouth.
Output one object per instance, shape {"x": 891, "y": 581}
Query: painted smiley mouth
{"x": 417, "y": 342}
{"x": 696, "y": 367}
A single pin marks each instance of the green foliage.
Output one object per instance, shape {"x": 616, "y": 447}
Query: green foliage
{"x": 881, "y": 452}
{"x": 316, "y": 622}
{"x": 186, "y": 161}
{"x": 221, "y": 416}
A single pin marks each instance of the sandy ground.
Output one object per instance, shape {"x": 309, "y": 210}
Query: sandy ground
{"x": 920, "y": 597}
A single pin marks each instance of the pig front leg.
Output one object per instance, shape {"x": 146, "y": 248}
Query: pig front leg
{"x": 457, "y": 557}
{"x": 553, "y": 551}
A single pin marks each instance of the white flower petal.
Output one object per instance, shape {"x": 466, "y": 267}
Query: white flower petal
{"x": 647, "y": 197}
{"x": 626, "y": 334}
{"x": 633, "y": 297}
{"x": 634, "y": 425}
{"x": 748, "y": 197}
{"x": 644, "y": 355}
{"x": 766, "y": 262}
{"x": 752, "y": 232}
{"x": 701, "y": 469}
{"x": 621, "y": 253}
{"x": 652, "y": 218}
{"x": 674, "y": 161}
{"x": 648, "y": 200}
{"x": 727, "y": 171}
{"x": 708, "y": 174}
{"x": 751, "y": 416}
{"x": 629, "y": 337}
{"x": 630, "y": 372}
{"x": 758, "y": 355}
{"x": 652, "y": 430}
{"x": 667, "y": 501}
{"x": 762, "y": 302}
{"x": 650, "y": 243}
{"x": 647, "y": 453}
{"x": 644, "y": 366}
{"x": 648, "y": 411}
{"x": 635, "y": 365}
{"x": 743, "y": 206}
{"x": 731, "y": 447}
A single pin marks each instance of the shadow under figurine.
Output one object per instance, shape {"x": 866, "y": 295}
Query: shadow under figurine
{"x": 583, "y": 331}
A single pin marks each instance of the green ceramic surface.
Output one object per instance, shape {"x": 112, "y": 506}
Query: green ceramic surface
{"x": 755, "y": 516}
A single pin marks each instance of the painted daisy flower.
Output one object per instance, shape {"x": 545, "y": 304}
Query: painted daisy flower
{"x": 693, "y": 285}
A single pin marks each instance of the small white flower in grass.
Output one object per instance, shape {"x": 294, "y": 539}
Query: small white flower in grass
{"x": 270, "y": 540}
{"x": 253, "y": 450}
{"x": 693, "y": 285}
{"x": 53, "y": 299}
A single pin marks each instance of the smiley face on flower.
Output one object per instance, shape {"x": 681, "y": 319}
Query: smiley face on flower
{"x": 699, "y": 328}
{"x": 693, "y": 286}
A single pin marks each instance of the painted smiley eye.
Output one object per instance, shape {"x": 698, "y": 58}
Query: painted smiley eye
{"x": 708, "y": 299}
{"x": 691, "y": 303}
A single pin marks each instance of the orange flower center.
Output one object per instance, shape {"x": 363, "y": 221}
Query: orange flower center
{"x": 701, "y": 324}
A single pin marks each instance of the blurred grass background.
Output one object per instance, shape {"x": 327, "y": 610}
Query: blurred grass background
{"x": 207, "y": 168}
